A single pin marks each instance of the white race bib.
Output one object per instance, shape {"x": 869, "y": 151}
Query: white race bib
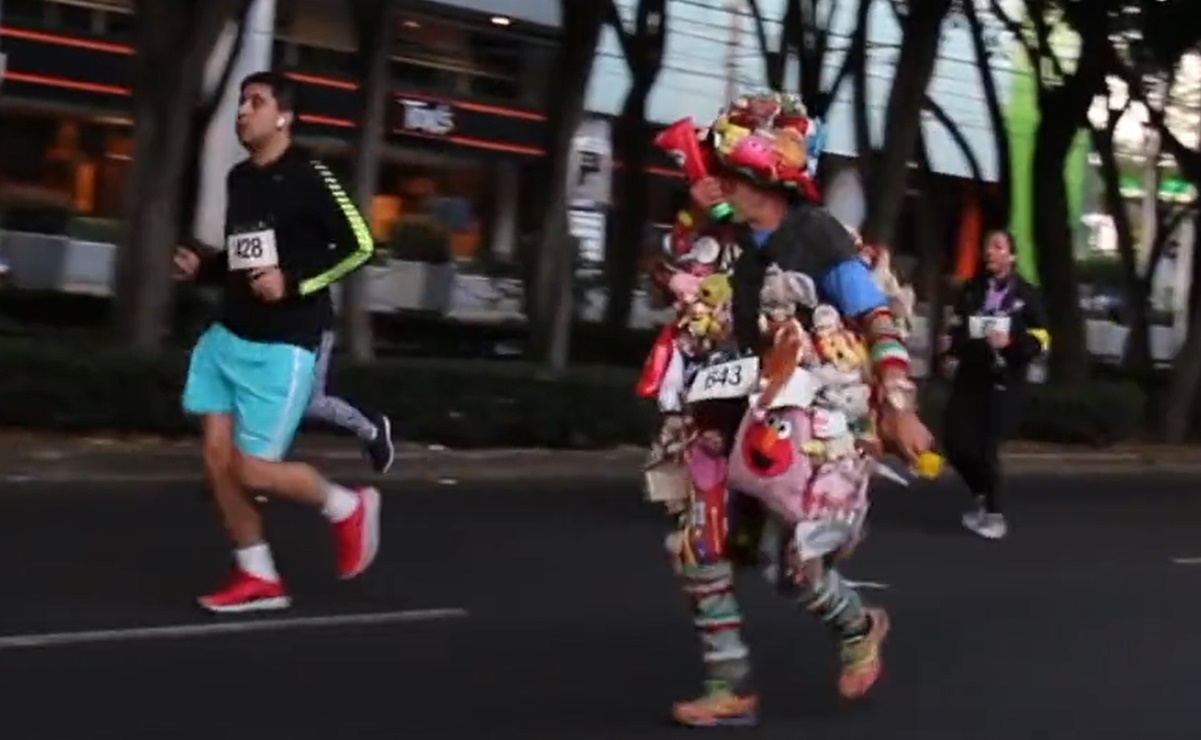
{"x": 733, "y": 379}
{"x": 979, "y": 327}
{"x": 252, "y": 250}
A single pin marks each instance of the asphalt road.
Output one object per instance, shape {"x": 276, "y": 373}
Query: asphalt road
{"x": 1079, "y": 627}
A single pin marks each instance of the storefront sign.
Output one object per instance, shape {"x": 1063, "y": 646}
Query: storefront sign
{"x": 592, "y": 165}
{"x": 589, "y": 228}
{"x": 426, "y": 117}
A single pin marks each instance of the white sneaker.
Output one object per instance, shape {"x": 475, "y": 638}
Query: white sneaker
{"x": 989, "y": 526}
{"x": 974, "y": 517}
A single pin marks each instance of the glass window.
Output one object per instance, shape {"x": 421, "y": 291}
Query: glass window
{"x": 329, "y": 61}
{"x": 495, "y": 88}
{"x": 420, "y": 77}
{"x": 73, "y": 166}
{"x": 76, "y": 18}
{"x": 496, "y": 54}
{"x": 119, "y": 26}
{"x": 26, "y": 12}
{"x": 424, "y": 209}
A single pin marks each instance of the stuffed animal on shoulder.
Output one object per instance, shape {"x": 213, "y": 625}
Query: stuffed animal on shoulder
{"x": 788, "y": 344}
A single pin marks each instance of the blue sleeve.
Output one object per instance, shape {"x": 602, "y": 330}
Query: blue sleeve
{"x": 850, "y": 287}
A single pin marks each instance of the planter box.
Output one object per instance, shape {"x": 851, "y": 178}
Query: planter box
{"x": 410, "y": 286}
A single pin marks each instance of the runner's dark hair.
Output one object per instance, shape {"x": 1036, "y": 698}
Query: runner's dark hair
{"x": 285, "y": 91}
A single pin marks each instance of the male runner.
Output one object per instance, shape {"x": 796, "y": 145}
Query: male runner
{"x": 291, "y": 232}
{"x": 373, "y": 428}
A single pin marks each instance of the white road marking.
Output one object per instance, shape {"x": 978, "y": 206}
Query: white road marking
{"x": 865, "y": 585}
{"x": 211, "y": 629}
{"x": 1187, "y": 561}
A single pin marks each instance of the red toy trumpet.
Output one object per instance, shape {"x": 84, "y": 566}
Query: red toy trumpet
{"x": 680, "y": 142}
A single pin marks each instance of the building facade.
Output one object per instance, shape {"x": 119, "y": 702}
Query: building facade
{"x": 466, "y": 120}
{"x": 465, "y": 128}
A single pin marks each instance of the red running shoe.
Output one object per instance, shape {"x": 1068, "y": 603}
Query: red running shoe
{"x": 246, "y": 593}
{"x": 357, "y": 536}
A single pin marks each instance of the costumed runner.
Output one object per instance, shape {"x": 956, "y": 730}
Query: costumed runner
{"x": 826, "y": 374}
{"x": 687, "y": 466}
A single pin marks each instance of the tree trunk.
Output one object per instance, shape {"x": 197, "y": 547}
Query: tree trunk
{"x": 172, "y": 47}
{"x": 555, "y": 260}
{"x": 631, "y": 139}
{"x": 1001, "y": 205}
{"x": 1063, "y": 110}
{"x": 775, "y": 61}
{"x": 373, "y": 25}
{"x": 921, "y": 33}
{"x": 632, "y": 146}
{"x": 857, "y": 58}
{"x": 1138, "y": 350}
{"x": 931, "y": 235}
{"x": 1180, "y": 403}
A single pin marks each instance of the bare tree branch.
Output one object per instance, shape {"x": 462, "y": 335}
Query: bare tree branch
{"x": 613, "y": 18}
{"x": 960, "y": 140}
{"x": 760, "y": 27}
{"x": 1189, "y": 160}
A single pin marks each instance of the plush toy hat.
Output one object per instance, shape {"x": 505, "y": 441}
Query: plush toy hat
{"x": 770, "y": 139}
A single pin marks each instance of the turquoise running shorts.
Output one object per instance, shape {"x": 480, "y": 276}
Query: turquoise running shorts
{"x": 264, "y": 386}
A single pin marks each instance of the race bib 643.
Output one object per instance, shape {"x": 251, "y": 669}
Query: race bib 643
{"x": 734, "y": 379}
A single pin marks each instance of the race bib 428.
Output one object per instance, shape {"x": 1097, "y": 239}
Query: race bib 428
{"x": 252, "y": 250}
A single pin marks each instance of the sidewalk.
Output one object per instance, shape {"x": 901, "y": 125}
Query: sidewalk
{"x": 28, "y": 457}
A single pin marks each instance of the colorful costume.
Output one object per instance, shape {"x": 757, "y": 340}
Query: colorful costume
{"x": 818, "y": 351}
{"x": 695, "y": 274}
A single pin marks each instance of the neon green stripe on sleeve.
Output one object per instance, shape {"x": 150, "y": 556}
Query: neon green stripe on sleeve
{"x": 362, "y": 235}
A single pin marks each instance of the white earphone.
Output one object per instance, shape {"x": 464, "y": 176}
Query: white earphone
{"x": 281, "y": 122}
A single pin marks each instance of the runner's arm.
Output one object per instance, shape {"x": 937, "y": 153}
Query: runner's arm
{"x": 342, "y": 228}
{"x": 847, "y": 283}
{"x": 214, "y": 263}
{"x": 1035, "y": 340}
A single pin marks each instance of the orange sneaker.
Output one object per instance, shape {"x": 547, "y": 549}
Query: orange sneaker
{"x": 718, "y": 707}
{"x": 861, "y": 660}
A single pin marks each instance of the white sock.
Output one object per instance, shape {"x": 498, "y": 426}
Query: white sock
{"x": 256, "y": 560}
{"x": 340, "y": 502}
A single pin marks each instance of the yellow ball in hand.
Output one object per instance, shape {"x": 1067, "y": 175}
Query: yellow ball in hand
{"x": 928, "y": 465}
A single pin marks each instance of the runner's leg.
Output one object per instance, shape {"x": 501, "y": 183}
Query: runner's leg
{"x": 700, "y": 550}
{"x": 209, "y": 393}
{"x": 373, "y": 429}
{"x": 819, "y": 589}
{"x": 272, "y": 383}
{"x": 331, "y": 409}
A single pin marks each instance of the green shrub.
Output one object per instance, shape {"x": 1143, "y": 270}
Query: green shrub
{"x": 87, "y": 387}
{"x": 1100, "y": 272}
{"x": 103, "y": 230}
{"x": 1098, "y": 413}
{"x": 420, "y": 240}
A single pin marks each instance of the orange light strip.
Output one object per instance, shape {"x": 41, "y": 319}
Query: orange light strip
{"x": 67, "y": 84}
{"x": 60, "y": 40}
{"x": 468, "y": 141}
{"x": 461, "y": 140}
{"x": 350, "y": 85}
